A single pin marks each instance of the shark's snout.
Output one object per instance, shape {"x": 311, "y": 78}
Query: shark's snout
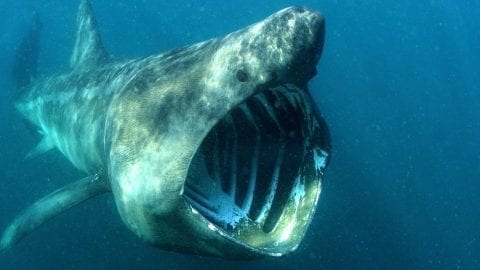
{"x": 308, "y": 34}
{"x": 290, "y": 44}
{"x": 306, "y": 28}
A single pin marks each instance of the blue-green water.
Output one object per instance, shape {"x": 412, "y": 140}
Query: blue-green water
{"x": 398, "y": 84}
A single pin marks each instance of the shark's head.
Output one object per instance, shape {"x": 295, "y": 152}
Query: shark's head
{"x": 218, "y": 148}
{"x": 284, "y": 48}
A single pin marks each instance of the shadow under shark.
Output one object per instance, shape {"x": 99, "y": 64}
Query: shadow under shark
{"x": 212, "y": 149}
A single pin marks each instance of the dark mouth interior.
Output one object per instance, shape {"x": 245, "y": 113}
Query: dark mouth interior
{"x": 247, "y": 166}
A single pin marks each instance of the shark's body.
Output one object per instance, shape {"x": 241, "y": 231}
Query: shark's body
{"x": 214, "y": 148}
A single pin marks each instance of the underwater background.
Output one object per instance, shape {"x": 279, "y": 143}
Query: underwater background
{"x": 398, "y": 84}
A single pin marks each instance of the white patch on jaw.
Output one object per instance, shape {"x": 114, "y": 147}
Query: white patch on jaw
{"x": 298, "y": 191}
{"x": 320, "y": 157}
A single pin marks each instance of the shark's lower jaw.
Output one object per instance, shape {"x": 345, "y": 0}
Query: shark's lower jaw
{"x": 256, "y": 177}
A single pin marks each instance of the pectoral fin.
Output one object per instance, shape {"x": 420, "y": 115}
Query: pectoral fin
{"x": 52, "y": 205}
{"x": 44, "y": 146}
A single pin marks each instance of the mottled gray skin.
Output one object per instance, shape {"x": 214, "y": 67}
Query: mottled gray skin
{"x": 138, "y": 123}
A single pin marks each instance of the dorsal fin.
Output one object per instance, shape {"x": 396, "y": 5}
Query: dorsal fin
{"x": 88, "y": 51}
{"x": 26, "y": 55}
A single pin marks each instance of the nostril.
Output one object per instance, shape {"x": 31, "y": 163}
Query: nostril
{"x": 242, "y": 75}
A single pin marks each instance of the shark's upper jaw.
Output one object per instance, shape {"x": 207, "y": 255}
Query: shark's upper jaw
{"x": 256, "y": 177}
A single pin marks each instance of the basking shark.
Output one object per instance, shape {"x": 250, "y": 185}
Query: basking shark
{"x": 211, "y": 149}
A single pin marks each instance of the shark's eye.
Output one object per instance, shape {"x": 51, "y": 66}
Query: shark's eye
{"x": 242, "y": 75}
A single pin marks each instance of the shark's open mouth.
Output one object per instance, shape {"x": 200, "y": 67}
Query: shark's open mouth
{"x": 256, "y": 177}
